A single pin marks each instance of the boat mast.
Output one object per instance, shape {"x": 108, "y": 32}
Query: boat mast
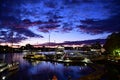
{"x": 49, "y": 39}
{"x": 12, "y": 45}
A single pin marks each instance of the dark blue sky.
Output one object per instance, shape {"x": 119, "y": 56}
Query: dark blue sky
{"x": 31, "y": 21}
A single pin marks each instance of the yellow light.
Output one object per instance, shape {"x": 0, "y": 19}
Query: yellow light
{"x": 116, "y": 52}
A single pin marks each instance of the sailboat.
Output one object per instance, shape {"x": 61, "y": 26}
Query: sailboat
{"x": 14, "y": 65}
{"x": 6, "y": 70}
{"x": 3, "y": 66}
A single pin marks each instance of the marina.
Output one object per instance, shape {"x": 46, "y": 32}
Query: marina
{"x": 59, "y": 39}
{"x": 45, "y": 70}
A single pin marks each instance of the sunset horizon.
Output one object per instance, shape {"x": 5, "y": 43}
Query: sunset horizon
{"x": 38, "y": 22}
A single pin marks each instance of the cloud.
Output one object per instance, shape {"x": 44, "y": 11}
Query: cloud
{"x": 20, "y": 32}
{"x": 45, "y": 26}
{"x": 67, "y": 29}
{"x": 49, "y": 26}
{"x": 100, "y": 26}
{"x": 9, "y": 36}
{"x": 92, "y": 16}
{"x": 15, "y": 35}
{"x": 10, "y": 22}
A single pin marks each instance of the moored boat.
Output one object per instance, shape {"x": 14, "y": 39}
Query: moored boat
{"x": 35, "y": 56}
{"x": 7, "y": 74}
{"x": 13, "y": 66}
{"x": 3, "y": 67}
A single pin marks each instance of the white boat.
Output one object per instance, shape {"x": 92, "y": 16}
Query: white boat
{"x": 3, "y": 67}
{"x": 13, "y": 66}
{"x": 6, "y": 75}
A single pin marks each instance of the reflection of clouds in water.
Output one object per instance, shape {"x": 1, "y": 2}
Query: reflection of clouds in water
{"x": 45, "y": 70}
{"x": 19, "y": 57}
{"x": 60, "y": 70}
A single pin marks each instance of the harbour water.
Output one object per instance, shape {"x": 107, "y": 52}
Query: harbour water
{"x": 42, "y": 70}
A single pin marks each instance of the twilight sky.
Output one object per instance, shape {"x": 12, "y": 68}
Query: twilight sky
{"x": 32, "y": 21}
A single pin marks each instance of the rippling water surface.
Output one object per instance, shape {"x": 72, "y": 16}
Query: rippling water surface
{"x": 42, "y": 70}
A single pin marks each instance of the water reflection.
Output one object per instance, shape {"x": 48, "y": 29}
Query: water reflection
{"x": 42, "y": 70}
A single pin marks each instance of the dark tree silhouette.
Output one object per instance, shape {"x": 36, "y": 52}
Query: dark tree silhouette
{"x": 86, "y": 48}
{"x": 96, "y": 45}
{"x": 113, "y": 43}
{"x": 29, "y": 47}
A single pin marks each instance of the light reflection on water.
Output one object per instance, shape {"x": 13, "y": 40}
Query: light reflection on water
{"x": 42, "y": 70}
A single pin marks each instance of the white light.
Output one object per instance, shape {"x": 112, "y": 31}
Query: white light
{"x": 1, "y": 70}
{"x": 3, "y": 78}
{"x": 86, "y": 60}
{"x": 85, "y": 64}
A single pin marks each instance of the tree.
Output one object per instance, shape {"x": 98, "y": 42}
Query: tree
{"x": 29, "y": 47}
{"x": 112, "y": 44}
{"x": 86, "y": 48}
{"x": 96, "y": 45}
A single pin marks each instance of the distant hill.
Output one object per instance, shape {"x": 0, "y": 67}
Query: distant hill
{"x": 87, "y": 42}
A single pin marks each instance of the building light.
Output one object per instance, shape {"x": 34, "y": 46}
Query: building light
{"x": 4, "y": 77}
{"x": 116, "y": 52}
{"x": 4, "y": 49}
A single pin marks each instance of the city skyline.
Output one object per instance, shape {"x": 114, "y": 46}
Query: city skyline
{"x": 33, "y": 21}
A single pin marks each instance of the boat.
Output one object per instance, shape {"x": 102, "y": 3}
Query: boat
{"x": 3, "y": 64}
{"x": 28, "y": 56}
{"x": 7, "y": 70}
{"x": 86, "y": 60}
{"x": 35, "y": 56}
{"x": 13, "y": 66}
{"x": 67, "y": 58}
{"x": 6, "y": 75}
{"x": 3, "y": 67}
